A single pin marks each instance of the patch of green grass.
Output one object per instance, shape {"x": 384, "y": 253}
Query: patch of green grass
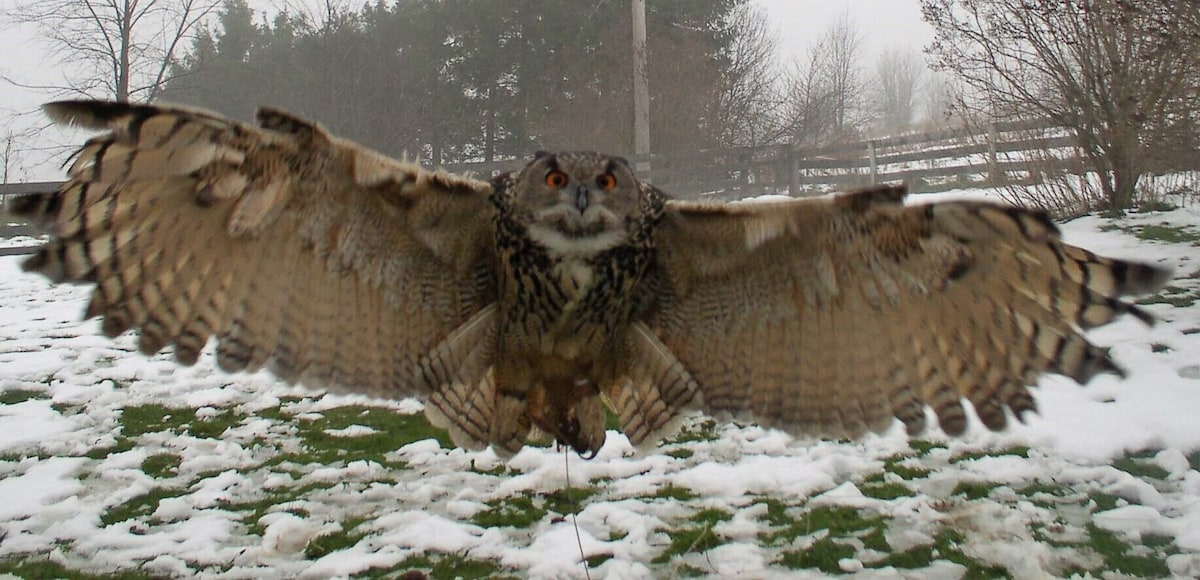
{"x": 162, "y": 465}
{"x": 1141, "y": 468}
{"x": 824, "y": 554}
{"x": 213, "y": 427}
{"x": 887, "y": 490}
{"x": 1173, "y": 295}
{"x": 918, "y": 557}
{"x": 35, "y": 568}
{"x": 612, "y": 422}
{"x": 322, "y": 444}
{"x": 329, "y": 543}
{"x": 1159, "y": 542}
{"x": 598, "y": 559}
{"x": 568, "y": 500}
{"x": 253, "y": 510}
{"x": 392, "y": 430}
{"x": 674, "y": 492}
{"x": 711, "y": 516}
{"x": 278, "y": 412}
{"x": 20, "y": 396}
{"x": 122, "y": 445}
{"x": 945, "y": 547}
{"x": 1160, "y": 347}
{"x": 1116, "y": 555}
{"x": 140, "y": 506}
{"x": 1194, "y": 460}
{"x": 681, "y": 453}
{"x": 66, "y": 409}
{"x": 1042, "y": 494}
{"x": 137, "y": 420}
{"x": 517, "y": 512}
{"x": 776, "y": 511}
{"x": 1167, "y": 233}
{"x": 289, "y": 462}
{"x": 974, "y": 489}
{"x": 895, "y": 464}
{"x": 1104, "y": 501}
{"x": 497, "y": 471}
{"x": 441, "y": 566}
{"x": 699, "y": 431}
{"x": 923, "y": 447}
{"x": 695, "y": 538}
{"x": 875, "y": 540}
{"x": 839, "y": 520}
{"x": 1040, "y": 488}
{"x": 1017, "y": 451}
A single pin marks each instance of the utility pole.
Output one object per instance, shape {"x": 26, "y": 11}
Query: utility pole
{"x": 641, "y": 86}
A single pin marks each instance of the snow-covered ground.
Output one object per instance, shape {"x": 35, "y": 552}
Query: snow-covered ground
{"x": 111, "y": 461}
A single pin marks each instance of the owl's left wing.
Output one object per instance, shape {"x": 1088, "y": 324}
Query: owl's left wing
{"x": 831, "y": 316}
{"x": 301, "y": 252}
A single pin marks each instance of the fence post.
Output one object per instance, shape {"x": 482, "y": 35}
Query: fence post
{"x": 874, "y": 166}
{"x": 994, "y": 176}
{"x": 793, "y": 166}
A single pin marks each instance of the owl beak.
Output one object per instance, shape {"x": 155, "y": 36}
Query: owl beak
{"x": 582, "y": 196}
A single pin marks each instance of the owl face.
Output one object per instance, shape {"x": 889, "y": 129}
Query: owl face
{"x": 578, "y": 202}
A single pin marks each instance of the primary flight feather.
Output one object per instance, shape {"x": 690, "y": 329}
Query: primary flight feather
{"x": 533, "y": 301}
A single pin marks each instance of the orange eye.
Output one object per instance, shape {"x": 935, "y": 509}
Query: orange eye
{"x": 606, "y": 181}
{"x": 556, "y": 178}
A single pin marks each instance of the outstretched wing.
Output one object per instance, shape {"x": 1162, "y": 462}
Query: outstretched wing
{"x": 832, "y": 316}
{"x": 321, "y": 260}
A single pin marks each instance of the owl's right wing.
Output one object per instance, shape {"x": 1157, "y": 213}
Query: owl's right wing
{"x": 831, "y": 316}
{"x": 325, "y": 262}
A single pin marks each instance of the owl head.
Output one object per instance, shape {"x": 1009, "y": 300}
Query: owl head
{"x": 576, "y": 202}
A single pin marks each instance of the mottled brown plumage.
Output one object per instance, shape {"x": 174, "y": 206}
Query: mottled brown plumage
{"x": 532, "y": 302}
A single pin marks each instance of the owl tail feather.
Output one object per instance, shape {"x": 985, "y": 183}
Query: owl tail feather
{"x": 656, "y": 392}
{"x": 462, "y": 365}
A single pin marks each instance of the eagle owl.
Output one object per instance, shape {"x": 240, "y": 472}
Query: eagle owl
{"x": 532, "y": 302}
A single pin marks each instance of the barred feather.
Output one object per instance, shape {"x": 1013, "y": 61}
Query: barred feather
{"x": 855, "y": 310}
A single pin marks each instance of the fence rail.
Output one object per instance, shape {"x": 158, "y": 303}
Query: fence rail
{"x": 9, "y": 228}
{"x": 928, "y": 161}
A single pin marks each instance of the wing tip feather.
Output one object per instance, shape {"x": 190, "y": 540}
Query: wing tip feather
{"x": 90, "y": 114}
{"x": 1142, "y": 278}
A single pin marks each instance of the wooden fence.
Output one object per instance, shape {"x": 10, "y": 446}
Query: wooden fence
{"x": 10, "y": 229}
{"x": 929, "y": 161}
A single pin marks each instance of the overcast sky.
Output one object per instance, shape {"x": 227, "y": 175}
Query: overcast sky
{"x": 797, "y": 23}
{"x": 883, "y": 23}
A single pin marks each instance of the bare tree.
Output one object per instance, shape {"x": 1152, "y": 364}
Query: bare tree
{"x": 809, "y": 102}
{"x": 121, "y": 49}
{"x": 747, "y": 97}
{"x": 11, "y": 154}
{"x": 842, "y": 65}
{"x": 825, "y": 92}
{"x": 1120, "y": 73}
{"x": 940, "y": 93}
{"x": 899, "y": 77}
